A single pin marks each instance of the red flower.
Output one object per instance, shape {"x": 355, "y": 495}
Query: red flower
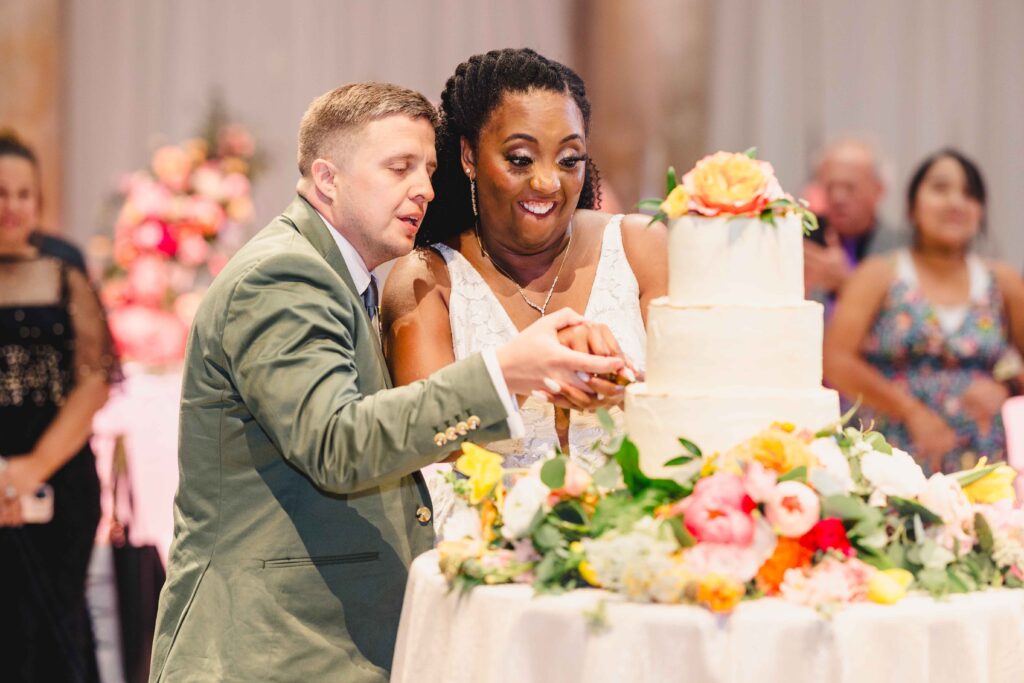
{"x": 829, "y": 534}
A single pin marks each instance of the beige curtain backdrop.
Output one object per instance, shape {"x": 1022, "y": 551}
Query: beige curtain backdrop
{"x": 31, "y": 88}
{"x": 141, "y": 73}
{"x": 645, "y": 65}
{"x": 914, "y": 75}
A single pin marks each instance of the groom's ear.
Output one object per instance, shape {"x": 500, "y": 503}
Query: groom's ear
{"x": 322, "y": 173}
{"x": 467, "y": 158}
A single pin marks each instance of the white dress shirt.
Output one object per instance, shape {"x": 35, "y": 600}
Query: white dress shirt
{"x": 361, "y": 278}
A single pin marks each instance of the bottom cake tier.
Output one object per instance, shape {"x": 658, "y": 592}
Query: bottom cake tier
{"x": 716, "y": 422}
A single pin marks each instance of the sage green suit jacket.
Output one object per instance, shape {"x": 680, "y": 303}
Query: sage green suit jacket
{"x": 295, "y": 518}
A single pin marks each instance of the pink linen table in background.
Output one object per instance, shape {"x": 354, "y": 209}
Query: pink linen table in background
{"x": 1013, "y": 423}
{"x": 504, "y": 634}
{"x": 144, "y": 408}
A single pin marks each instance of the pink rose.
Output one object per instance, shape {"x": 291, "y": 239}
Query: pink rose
{"x": 149, "y": 279}
{"x": 193, "y": 249}
{"x": 577, "y": 480}
{"x": 793, "y": 509}
{"x": 148, "y": 334}
{"x": 718, "y": 510}
{"x": 759, "y": 481}
{"x": 737, "y": 562}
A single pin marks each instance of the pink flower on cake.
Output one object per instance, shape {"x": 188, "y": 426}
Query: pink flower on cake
{"x": 718, "y": 510}
{"x": 793, "y": 508}
{"x": 943, "y": 496}
{"x": 731, "y": 184}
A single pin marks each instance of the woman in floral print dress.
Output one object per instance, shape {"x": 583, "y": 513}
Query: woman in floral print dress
{"x": 917, "y": 333}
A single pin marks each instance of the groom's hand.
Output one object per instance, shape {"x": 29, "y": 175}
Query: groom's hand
{"x": 535, "y": 360}
{"x": 608, "y": 390}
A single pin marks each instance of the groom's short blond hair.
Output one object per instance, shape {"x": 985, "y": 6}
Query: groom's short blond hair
{"x": 348, "y": 108}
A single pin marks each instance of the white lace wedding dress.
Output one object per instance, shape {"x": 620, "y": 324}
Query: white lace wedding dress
{"x": 478, "y": 321}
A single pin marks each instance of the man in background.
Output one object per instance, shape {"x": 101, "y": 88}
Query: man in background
{"x": 850, "y": 179}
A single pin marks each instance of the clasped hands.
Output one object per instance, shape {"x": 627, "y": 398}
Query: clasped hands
{"x": 564, "y": 359}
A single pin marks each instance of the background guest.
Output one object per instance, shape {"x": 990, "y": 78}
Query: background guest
{"x": 55, "y": 370}
{"x": 851, "y": 184}
{"x": 916, "y": 334}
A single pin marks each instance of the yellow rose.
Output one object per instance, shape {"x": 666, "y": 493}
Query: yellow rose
{"x": 889, "y": 586}
{"x": 677, "y": 203}
{"x": 776, "y": 449}
{"x": 735, "y": 184}
{"x": 588, "y": 574}
{"x": 718, "y": 593}
{"x": 995, "y": 486}
{"x": 483, "y": 469}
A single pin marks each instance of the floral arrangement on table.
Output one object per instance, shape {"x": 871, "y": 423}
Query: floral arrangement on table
{"x": 728, "y": 184}
{"x": 821, "y": 519}
{"x": 177, "y": 224}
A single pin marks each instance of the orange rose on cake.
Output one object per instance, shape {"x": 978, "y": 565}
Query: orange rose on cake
{"x": 731, "y": 184}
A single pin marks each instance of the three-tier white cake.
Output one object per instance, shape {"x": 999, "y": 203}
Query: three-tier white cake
{"x": 734, "y": 346}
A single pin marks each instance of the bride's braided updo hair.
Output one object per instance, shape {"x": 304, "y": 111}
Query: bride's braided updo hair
{"x": 469, "y": 98}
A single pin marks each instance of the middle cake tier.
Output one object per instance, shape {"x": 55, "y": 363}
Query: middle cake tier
{"x": 697, "y": 348}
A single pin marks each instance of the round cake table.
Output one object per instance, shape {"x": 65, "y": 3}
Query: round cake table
{"x": 506, "y": 634}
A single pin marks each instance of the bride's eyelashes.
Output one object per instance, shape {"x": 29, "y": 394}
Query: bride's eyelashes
{"x": 521, "y": 161}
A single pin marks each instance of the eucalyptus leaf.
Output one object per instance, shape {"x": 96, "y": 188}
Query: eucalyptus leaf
{"x": 608, "y": 475}
{"x": 682, "y": 536}
{"x": 843, "y": 507}
{"x": 907, "y": 507}
{"x": 795, "y": 474}
{"x": 678, "y": 460}
{"x": 970, "y": 476}
{"x": 606, "y": 420}
{"x": 552, "y": 473}
{"x": 984, "y": 533}
{"x": 690, "y": 446}
{"x": 547, "y": 537}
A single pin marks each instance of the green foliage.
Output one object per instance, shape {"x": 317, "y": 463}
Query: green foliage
{"x": 795, "y": 474}
{"x": 908, "y": 508}
{"x": 751, "y": 152}
{"x": 970, "y": 476}
{"x": 670, "y": 180}
{"x": 552, "y": 472}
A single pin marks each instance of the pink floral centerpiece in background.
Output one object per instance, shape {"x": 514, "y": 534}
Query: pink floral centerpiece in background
{"x": 177, "y": 223}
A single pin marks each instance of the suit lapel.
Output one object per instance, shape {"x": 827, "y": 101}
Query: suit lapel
{"x": 309, "y": 224}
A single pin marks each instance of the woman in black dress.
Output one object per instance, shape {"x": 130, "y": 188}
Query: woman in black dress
{"x": 56, "y": 366}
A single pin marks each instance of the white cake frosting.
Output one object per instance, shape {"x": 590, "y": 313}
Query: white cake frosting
{"x": 734, "y": 346}
{"x": 705, "y": 348}
{"x": 741, "y": 261}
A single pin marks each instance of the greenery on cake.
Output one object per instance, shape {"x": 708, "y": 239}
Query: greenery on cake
{"x": 818, "y": 518}
{"x": 728, "y": 184}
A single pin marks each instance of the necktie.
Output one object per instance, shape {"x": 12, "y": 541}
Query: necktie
{"x": 370, "y": 300}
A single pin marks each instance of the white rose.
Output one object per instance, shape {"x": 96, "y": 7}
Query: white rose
{"x": 522, "y": 503}
{"x": 893, "y": 475}
{"x": 463, "y": 522}
{"x": 944, "y": 496}
{"x": 833, "y": 461}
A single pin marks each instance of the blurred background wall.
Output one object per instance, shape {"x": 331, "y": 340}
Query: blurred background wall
{"x": 97, "y": 85}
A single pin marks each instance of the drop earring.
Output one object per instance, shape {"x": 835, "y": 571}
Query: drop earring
{"x": 472, "y": 196}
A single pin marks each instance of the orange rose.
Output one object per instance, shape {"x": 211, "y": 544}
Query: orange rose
{"x": 718, "y": 593}
{"x": 789, "y": 553}
{"x": 731, "y": 184}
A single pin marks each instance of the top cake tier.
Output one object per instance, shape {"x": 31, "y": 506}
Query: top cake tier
{"x": 735, "y": 261}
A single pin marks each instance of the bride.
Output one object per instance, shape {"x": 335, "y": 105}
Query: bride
{"x": 512, "y": 235}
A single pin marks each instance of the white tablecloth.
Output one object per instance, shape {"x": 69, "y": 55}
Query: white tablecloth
{"x": 144, "y": 408}
{"x": 503, "y": 634}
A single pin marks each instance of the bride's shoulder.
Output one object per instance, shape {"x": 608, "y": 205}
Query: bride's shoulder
{"x": 422, "y": 264}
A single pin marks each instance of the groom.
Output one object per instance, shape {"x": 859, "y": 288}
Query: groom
{"x": 300, "y": 505}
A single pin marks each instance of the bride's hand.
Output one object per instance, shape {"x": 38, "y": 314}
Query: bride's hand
{"x": 596, "y": 339}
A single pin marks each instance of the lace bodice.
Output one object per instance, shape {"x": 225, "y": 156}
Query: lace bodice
{"x": 478, "y": 321}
